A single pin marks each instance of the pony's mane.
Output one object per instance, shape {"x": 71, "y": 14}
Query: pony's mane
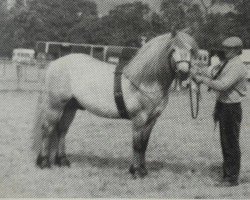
{"x": 151, "y": 63}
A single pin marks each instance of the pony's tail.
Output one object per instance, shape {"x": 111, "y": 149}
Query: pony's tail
{"x": 38, "y": 124}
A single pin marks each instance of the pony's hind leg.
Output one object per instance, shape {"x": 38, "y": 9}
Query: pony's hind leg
{"x": 62, "y": 129}
{"x": 50, "y": 110}
{"x": 48, "y": 125}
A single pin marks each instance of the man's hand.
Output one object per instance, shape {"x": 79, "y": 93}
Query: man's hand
{"x": 194, "y": 70}
{"x": 195, "y": 74}
{"x": 198, "y": 78}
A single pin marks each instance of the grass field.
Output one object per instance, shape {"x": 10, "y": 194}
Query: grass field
{"x": 183, "y": 156}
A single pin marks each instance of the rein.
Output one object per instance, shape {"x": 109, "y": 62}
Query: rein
{"x": 194, "y": 89}
{"x": 194, "y": 93}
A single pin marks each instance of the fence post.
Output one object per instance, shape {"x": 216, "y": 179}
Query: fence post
{"x": 19, "y": 74}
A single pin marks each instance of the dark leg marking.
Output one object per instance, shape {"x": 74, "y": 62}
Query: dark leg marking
{"x": 138, "y": 171}
{"x": 62, "y": 161}
{"x": 43, "y": 162}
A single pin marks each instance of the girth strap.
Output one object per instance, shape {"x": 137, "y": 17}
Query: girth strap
{"x": 120, "y": 104}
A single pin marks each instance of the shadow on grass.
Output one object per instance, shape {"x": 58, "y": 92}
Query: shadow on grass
{"x": 213, "y": 171}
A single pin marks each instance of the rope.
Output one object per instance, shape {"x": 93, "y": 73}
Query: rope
{"x": 194, "y": 108}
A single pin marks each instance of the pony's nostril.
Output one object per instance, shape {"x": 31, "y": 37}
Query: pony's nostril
{"x": 183, "y": 76}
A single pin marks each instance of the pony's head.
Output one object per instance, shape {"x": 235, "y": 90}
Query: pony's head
{"x": 184, "y": 50}
{"x": 161, "y": 59}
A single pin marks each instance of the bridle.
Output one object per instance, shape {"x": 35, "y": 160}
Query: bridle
{"x": 194, "y": 93}
{"x": 174, "y": 68}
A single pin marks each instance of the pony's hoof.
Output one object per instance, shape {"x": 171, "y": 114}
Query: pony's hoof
{"x": 43, "y": 162}
{"x": 62, "y": 161}
{"x": 138, "y": 171}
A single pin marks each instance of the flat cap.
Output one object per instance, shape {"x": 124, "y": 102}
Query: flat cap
{"x": 232, "y": 42}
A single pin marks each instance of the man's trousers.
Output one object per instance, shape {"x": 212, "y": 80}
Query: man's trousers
{"x": 230, "y": 117}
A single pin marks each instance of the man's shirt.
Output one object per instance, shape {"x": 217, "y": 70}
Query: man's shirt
{"x": 234, "y": 81}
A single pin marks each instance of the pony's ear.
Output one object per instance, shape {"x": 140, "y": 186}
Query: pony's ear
{"x": 190, "y": 30}
{"x": 171, "y": 52}
{"x": 186, "y": 30}
{"x": 173, "y": 31}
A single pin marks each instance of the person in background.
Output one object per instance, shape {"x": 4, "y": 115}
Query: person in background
{"x": 230, "y": 84}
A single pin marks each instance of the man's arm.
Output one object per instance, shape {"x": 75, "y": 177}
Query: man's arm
{"x": 232, "y": 76}
{"x": 204, "y": 71}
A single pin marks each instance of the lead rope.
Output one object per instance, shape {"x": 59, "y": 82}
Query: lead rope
{"x": 194, "y": 88}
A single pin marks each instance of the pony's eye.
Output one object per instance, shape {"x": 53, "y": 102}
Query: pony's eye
{"x": 194, "y": 53}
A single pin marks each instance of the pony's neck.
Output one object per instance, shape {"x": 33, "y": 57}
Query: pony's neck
{"x": 165, "y": 79}
{"x": 159, "y": 81}
{"x": 151, "y": 67}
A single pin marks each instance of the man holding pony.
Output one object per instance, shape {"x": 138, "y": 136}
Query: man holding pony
{"x": 230, "y": 84}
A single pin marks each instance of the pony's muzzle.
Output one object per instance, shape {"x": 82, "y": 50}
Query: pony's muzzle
{"x": 183, "y": 67}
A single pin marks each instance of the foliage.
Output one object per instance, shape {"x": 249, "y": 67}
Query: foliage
{"x": 78, "y": 21}
{"x": 58, "y": 17}
{"x": 127, "y": 23}
{"x": 123, "y": 25}
{"x": 180, "y": 13}
{"x": 5, "y": 39}
{"x": 45, "y": 20}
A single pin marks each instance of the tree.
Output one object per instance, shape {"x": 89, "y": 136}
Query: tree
{"x": 60, "y": 16}
{"x": 124, "y": 25}
{"x": 236, "y": 23}
{"x": 173, "y": 14}
{"x": 157, "y": 23}
{"x": 22, "y": 24}
{"x": 45, "y": 20}
{"x": 5, "y": 38}
{"x": 129, "y": 23}
{"x": 243, "y": 7}
{"x": 180, "y": 13}
{"x": 3, "y": 10}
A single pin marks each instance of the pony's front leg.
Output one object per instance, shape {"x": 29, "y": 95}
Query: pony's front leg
{"x": 142, "y": 127}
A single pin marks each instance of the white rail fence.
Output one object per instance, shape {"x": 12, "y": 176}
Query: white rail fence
{"x": 30, "y": 76}
{"x": 21, "y": 76}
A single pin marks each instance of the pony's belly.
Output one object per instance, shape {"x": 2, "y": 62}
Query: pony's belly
{"x": 101, "y": 104}
{"x": 93, "y": 89}
{"x": 92, "y": 84}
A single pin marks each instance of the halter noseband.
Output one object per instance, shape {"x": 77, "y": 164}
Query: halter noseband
{"x": 175, "y": 69}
